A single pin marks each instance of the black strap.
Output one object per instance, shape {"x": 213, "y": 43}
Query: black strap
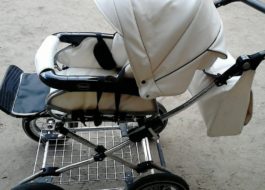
{"x": 211, "y": 74}
{"x": 97, "y": 115}
{"x": 103, "y": 55}
{"x": 120, "y": 77}
{"x": 117, "y": 103}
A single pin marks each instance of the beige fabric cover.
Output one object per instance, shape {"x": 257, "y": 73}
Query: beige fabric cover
{"x": 166, "y": 40}
{"x": 44, "y": 58}
{"x": 82, "y": 56}
{"x": 71, "y": 101}
{"x": 228, "y": 108}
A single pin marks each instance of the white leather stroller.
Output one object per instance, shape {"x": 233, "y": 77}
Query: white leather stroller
{"x": 161, "y": 48}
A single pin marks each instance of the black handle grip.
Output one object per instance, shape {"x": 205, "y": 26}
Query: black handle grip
{"x": 76, "y": 38}
{"x": 89, "y": 83}
{"x": 256, "y": 4}
{"x": 243, "y": 63}
{"x": 219, "y": 3}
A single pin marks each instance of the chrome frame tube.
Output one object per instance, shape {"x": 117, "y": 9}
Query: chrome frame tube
{"x": 30, "y": 178}
{"x": 160, "y": 154}
{"x": 122, "y": 161}
{"x": 46, "y": 150}
{"x": 37, "y": 155}
{"x": 146, "y": 149}
{"x": 81, "y": 140}
{"x": 117, "y": 147}
{"x": 93, "y": 129}
{"x": 147, "y": 152}
{"x": 187, "y": 104}
{"x": 75, "y": 165}
{"x": 108, "y": 153}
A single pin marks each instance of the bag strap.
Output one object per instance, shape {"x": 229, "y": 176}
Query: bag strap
{"x": 103, "y": 55}
{"x": 97, "y": 116}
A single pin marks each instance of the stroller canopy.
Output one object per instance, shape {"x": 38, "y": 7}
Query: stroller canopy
{"x": 166, "y": 40}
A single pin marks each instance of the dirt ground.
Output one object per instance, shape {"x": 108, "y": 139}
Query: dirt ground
{"x": 227, "y": 163}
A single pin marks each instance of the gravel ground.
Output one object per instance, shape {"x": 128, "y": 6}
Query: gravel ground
{"x": 227, "y": 163}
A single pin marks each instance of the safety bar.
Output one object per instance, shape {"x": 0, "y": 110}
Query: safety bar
{"x": 89, "y": 83}
{"x": 256, "y": 4}
{"x": 75, "y": 38}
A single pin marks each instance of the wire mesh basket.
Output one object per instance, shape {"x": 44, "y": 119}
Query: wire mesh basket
{"x": 61, "y": 152}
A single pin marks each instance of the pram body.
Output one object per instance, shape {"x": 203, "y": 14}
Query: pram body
{"x": 121, "y": 93}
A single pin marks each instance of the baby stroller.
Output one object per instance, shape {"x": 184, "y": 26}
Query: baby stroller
{"x": 117, "y": 78}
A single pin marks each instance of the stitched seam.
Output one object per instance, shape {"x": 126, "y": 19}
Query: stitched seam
{"x": 178, "y": 39}
{"x": 117, "y": 16}
{"x": 142, "y": 41}
{"x": 190, "y": 60}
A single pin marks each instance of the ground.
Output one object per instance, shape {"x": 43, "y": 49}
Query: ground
{"x": 227, "y": 163}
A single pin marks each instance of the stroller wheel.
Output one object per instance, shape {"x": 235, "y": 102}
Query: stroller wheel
{"x": 33, "y": 127}
{"x": 161, "y": 110}
{"x": 37, "y": 186}
{"x": 160, "y": 181}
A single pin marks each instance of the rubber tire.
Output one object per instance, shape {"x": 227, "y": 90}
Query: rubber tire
{"x": 26, "y": 125}
{"x": 161, "y": 110}
{"x": 159, "y": 178}
{"x": 37, "y": 186}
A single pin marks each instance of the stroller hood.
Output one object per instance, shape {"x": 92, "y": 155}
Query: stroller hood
{"x": 166, "y": 40}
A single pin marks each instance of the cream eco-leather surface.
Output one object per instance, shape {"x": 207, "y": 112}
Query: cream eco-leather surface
{"x": 165, "y": 45}
{"x": 228, "y": 108}
{"x": 72, "y": 101}
{"x": 81, "y": 61}
{"x": 166, "y": 41}
{"x": 82, "y": 56}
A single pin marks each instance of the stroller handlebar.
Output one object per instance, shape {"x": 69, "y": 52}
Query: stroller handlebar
{"x": 243, "y": 63}
{"x": 256, "y": 4}
{"x": 219, "y": 3}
